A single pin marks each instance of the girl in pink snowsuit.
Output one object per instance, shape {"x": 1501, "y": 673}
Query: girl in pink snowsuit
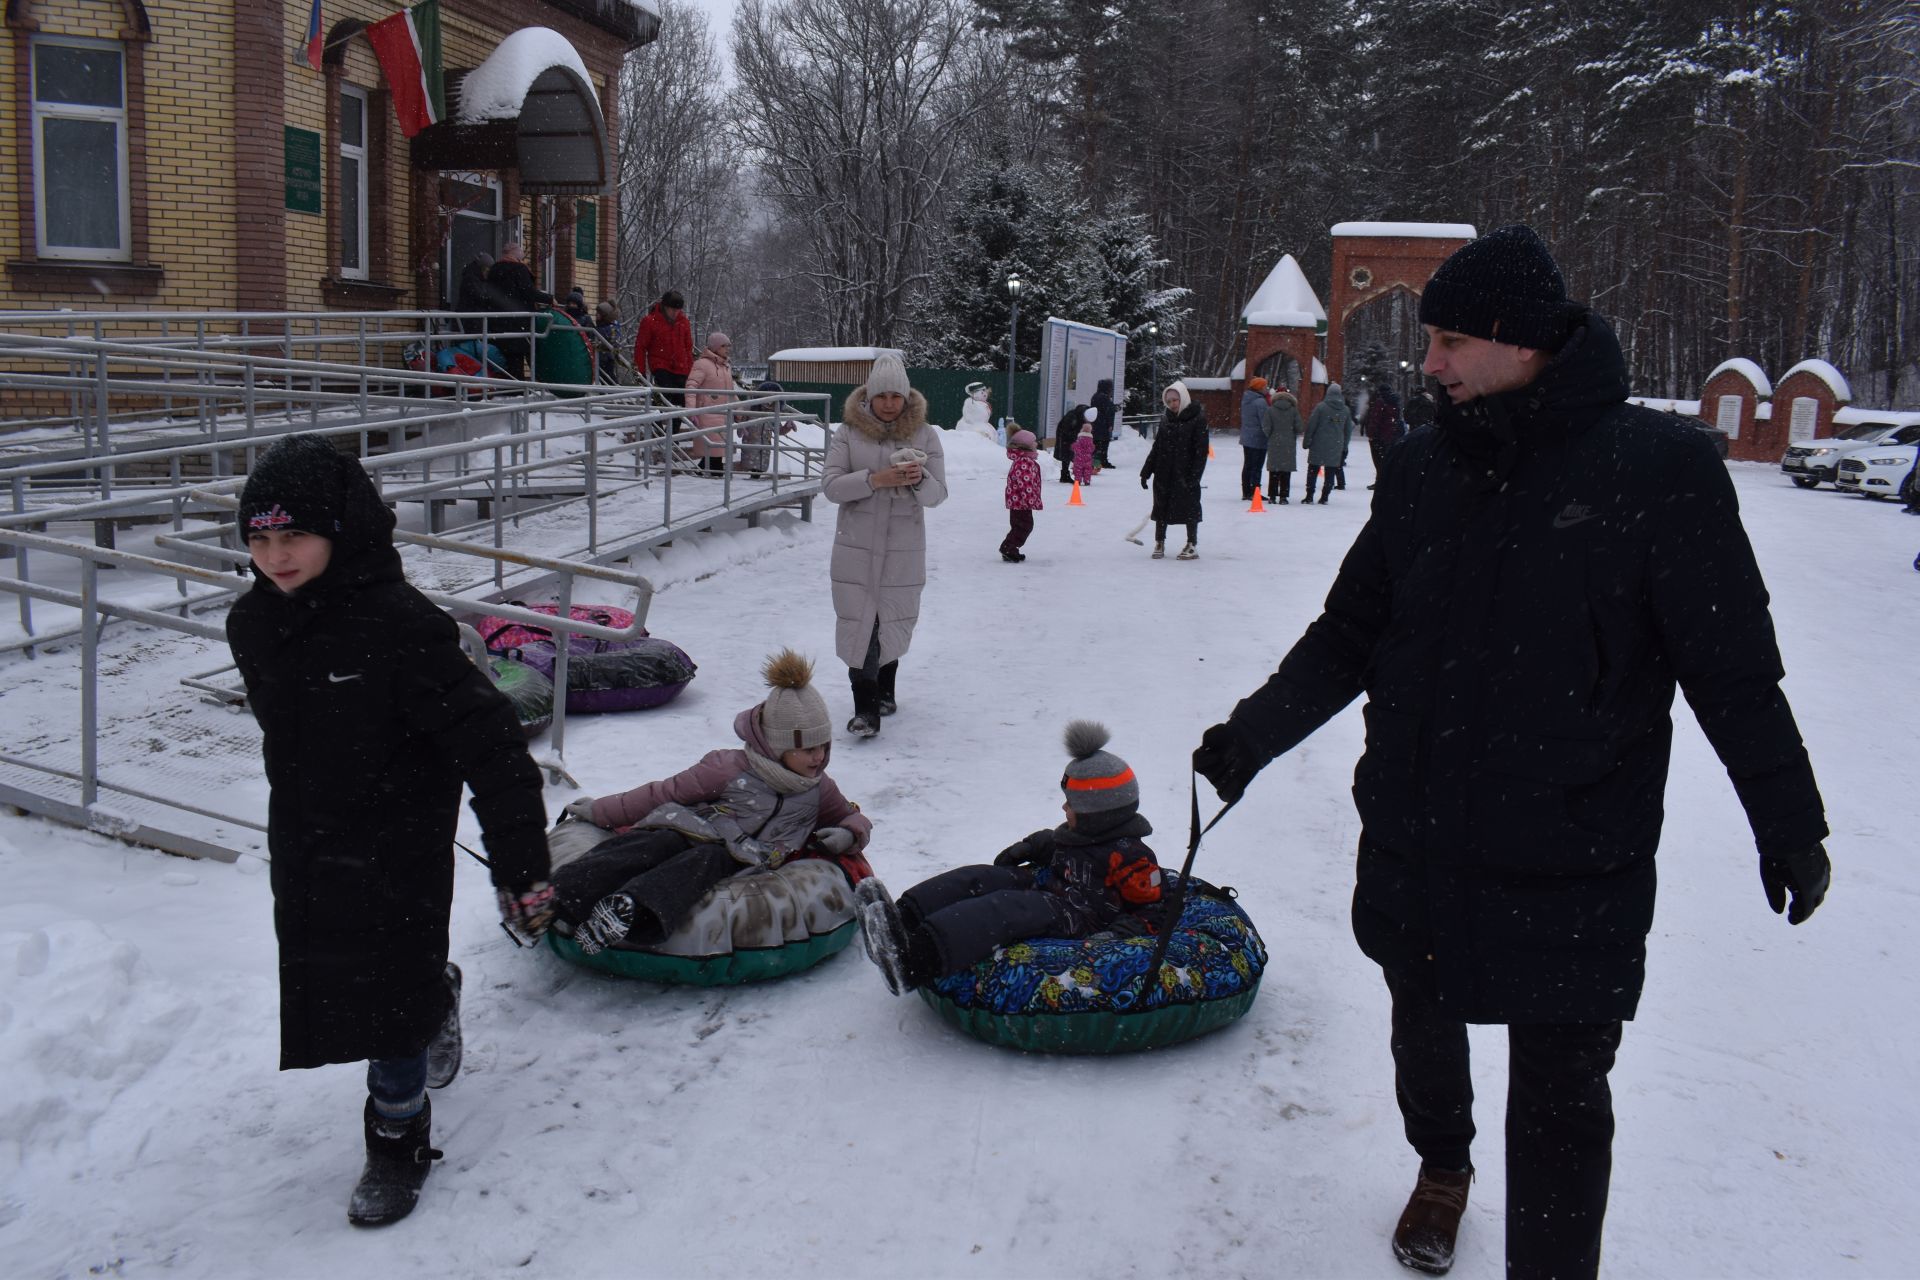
{"x": 1023, "y": 494}
{"x": 1083, "y": 455}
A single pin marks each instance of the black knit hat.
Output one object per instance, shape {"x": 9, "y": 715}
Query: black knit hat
{"x": 1504, "y": 287}
{"x": 304, "y": 483}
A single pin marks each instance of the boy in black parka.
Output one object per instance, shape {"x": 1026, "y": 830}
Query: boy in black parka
{"x": 1092, "y": 872}
{"x": 372, "y": 718}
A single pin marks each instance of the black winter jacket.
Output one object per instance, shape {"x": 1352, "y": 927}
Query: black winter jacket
{"x": 1066, "y": 431}
{"x": 1174, "y": 464}
{"x": 1537, "y": 573}
{"x": 1104, "y": 872}
{"x": 1103, "y": 409}
{"x": 372, "y": 717}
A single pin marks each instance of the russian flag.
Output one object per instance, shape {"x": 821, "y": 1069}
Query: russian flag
{"x": 315, "y": 46}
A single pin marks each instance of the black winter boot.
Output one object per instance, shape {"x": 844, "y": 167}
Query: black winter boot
{"x": 866, "y": 706}
{"x": 886, "y": 704}
{"x": 1286, "y": 482}
{"x": 398, "y": 1161}
{"x": 1423, "y": 1239}
{"x": 443, "y": 1055}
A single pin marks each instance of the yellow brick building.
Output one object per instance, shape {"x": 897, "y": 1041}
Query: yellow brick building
{"x": 184, "y": 155}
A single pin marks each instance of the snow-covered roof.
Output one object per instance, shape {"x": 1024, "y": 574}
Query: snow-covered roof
{"x": 1284, "y": 299}
{"x": 1835, "y": 380}
{"x": 1747, "y": 369}
{"x": 1853, "y": 416}
{"x": 1686, "y": 408}
{"x": 834, "y": 355}
{"x": 498, "y": 87}
{"x": 1208, "y": 384}
{"x": 1408, "y": 230}
{"x": 1239, "y": 369}
{"x": 1319, "y": 372}
{"x": 1084, "y": 328}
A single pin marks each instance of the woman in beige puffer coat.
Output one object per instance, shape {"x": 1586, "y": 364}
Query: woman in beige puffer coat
{"x": 884, "y": 468}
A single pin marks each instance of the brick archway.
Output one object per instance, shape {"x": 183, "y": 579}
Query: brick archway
{"x": 1372, "y": 259}
{"x": 1266, "y": 341}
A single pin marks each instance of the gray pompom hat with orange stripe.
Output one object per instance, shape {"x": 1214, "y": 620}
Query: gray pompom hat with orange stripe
{"x": 1096, "y": 780}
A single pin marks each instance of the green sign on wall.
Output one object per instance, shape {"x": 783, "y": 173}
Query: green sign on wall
{"x": 303, "y": 170}
{"x": 586, "y": 231}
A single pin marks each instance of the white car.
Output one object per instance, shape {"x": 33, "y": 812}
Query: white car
{"x": 1811, "y": 461}
{"x": 1879, "y": 471}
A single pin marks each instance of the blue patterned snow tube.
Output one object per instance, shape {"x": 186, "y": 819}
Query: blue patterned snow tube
{"x": 1085, "y": 995}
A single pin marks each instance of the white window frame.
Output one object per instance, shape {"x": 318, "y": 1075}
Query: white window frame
{"x": 66, "y": 111}
{"x": 357, "y": 151}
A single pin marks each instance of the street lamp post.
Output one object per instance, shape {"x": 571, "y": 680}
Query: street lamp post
{"x": 1013, "y": 342}
{"x": 1404, "y": 367}
{"x": 1153, "y": 356}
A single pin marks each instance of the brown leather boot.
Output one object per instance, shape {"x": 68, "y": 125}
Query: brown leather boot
{"x": 1430, "y": 1223}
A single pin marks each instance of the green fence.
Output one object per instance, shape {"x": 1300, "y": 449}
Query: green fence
{"x": 946, "y": 389}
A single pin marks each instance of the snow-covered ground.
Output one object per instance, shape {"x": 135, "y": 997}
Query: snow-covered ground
{"x": 818, "y": 1127}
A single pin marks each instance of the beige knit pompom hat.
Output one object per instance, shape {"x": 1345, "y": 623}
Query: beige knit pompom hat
{"x": 794, "y": 714}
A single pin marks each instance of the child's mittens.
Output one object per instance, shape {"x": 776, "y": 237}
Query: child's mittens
{"x": 835, "y": 840}
{"x": 1017, "y": 854}
{"x": 581, "y": 809}
{"x": 527, "y": 911}
{"x": 907, "y": 453}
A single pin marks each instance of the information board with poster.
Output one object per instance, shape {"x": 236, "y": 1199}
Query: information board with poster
{"x": 1074, "y": 359}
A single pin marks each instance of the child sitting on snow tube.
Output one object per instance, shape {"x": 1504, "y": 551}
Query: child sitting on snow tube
{"x": 1093, "y": 872}
{"x": 749, "y": 808}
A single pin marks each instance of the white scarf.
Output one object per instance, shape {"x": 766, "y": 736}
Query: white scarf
{"x": 777, "y": 775}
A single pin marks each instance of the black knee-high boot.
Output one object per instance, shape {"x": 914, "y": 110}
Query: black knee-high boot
{"x": 866, "y": 704}
{"x": 886, "y": 704}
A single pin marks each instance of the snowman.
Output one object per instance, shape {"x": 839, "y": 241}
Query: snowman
{"x": 977, "y": 413}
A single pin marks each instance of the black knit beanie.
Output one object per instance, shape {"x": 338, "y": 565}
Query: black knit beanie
{"x": 304, "y": 483}
{"x": 1504, "y": 287}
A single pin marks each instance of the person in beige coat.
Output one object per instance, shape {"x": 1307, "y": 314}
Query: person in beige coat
{"x": 884, "y": 469}
{"x": 712, "y": 375}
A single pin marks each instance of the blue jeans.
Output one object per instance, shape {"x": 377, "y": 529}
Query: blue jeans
{"x": 398, "y": 1086}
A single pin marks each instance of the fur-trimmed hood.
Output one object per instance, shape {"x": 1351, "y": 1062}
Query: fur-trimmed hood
{"x": 855, "y": 414}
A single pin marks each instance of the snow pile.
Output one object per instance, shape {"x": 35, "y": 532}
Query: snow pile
{"x": 496, "y": 89}
{"x": 1208, "y": 384}
{"x": 1407, "y": 230}
{"x": 1285, "y": 300}
{"x": 1835, "y": 380}
{"x": 1747, "y": 369}
{"x": 1319, "y": 372}
{"x": 835, "y": 355}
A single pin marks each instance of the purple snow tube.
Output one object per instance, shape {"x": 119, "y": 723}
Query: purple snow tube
{"x": 602, "y": 675}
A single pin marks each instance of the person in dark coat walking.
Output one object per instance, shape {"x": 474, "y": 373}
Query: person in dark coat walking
{"x": 1284, "y": 429}
{"x": 372, "y": 718}
{"x": 1539, "y": 572}
{"x": 1174, "y": 465}
{"x": 514, "y": 290}
{"x": 477, "y": 293}
{"x": 1329, "y": 430}
{"x": 1384, "y": 427}
{"x": 1075, "y": 420}
{"x": 1103, "y": 418}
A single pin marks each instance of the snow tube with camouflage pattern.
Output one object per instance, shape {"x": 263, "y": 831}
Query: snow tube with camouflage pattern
{"x": 1083, "y": 995}
{"x": 749, "y": 928}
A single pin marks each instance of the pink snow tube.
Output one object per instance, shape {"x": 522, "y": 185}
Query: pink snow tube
{"x": 602, "y": 675}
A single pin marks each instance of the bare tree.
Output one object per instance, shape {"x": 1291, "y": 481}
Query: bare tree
{"x": 859, "y": 110}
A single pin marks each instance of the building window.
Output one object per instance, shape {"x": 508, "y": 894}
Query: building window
{"x": 353, "y": 183}
{"x": 81, "y": 204}
{"x": 475, "y": 200}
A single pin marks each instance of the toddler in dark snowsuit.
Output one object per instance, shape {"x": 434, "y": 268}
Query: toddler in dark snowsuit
{"x": 1092, "y": 872}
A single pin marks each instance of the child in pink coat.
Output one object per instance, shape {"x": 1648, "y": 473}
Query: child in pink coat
{"x": 1023, "y": 494}
{"x": 1083, "y": 454}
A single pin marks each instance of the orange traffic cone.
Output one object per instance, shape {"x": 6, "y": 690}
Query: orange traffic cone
{"x": 1074, "y": 501}
{"x": 1258, "y": 506}
{"x": 1209, "y": 451}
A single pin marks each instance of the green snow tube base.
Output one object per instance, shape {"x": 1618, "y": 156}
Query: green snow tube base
{"x": 751, "y": 965}
{"x": 561, "y": 354}
{"x": 1093, "y": 1032}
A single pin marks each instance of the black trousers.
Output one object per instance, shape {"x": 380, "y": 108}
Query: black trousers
{"x": 1253, "y": 463}
{"x": 1019, "y": 529}
{"x": 664, "y": 872}
{"x": 969, "y": 911}
{"x": 1160, "y": 531}
{"x": 1559, "y": 1125}
{"x": 1278, "y": 484}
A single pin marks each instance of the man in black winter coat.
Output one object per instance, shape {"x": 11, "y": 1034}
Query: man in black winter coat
{"x": 1539, "y": 571}
{"x": 1103, "y": 413}
{"x": 514, "y": 290}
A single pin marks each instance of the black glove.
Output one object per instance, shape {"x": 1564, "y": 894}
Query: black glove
{"x": 1227, "y": 760}
{"x": 1807, "y": 874}
{"x": 1143, "y": 482}
{"x": 1017, "y": 854}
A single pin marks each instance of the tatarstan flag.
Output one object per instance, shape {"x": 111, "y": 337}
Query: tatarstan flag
{"x": 408, "y": 46}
